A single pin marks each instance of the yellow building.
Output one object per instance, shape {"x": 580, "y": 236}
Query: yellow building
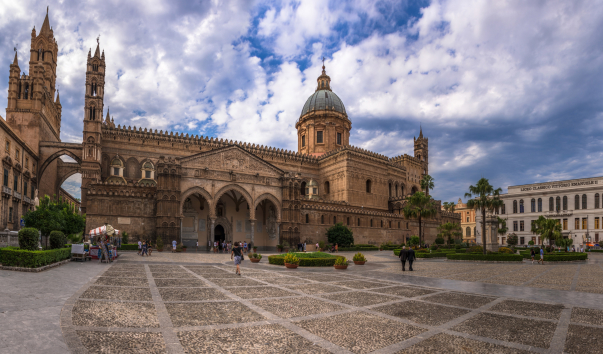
{"x": 467, "y": 221}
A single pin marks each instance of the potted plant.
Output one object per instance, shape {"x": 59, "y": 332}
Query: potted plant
{"x": 279, "y": 248}
{"x": 359, "y": 259}
{"x": 184, "y": 247}
{"x": 255, "y": 257}
{"x": 255, "y": 249}
{"x": 179, "y": 247}
{"x": 341, "y": 263}
{"x": 159, "y": 244}
{"x": 291, "y": 261}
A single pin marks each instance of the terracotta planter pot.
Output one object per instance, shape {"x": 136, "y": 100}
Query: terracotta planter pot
{"x": 291, "y": 266}
{"x": 160, "y": 249}
{"x": 254, "y": 260}
{"x": 359, "y": 262}
{"x": 184, "y": 250}
{"x": 340, "y": 266}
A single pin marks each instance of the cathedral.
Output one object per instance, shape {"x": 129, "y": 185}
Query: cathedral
{"x": 177, "y": 186}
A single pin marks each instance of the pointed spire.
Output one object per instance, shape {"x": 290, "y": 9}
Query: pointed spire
{"x": 58, "y": 101}
{"x": 107, "y": 119}
{"x": 421, "y": 132}
{"x": 97, "y": 51}
{"x": 46, "y": 25}
{"x": 16, "y": 61}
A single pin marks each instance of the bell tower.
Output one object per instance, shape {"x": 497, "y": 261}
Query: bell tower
{"x": 422, "y": 151}
{"x": 93, "y": 111}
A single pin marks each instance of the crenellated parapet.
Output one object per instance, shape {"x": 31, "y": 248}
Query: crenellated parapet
{"x": 321, "y": 206}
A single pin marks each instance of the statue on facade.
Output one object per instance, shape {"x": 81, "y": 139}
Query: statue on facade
{"x": 36, "y": 201}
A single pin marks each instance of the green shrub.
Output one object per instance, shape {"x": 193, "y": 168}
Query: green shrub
{"x": 28, "y": 239}
{"x": 57, "y": 239}
{"x": 475, "y": 249}
{"x": 440, "y": 241}
{"x": 256, "y": 256}
{"x": 430, "y": 255}
{"x": 341, "y": 261}
{"x": 310, "y": 255}
{"x": 32, "y": 259}
{"x": 125, "y": 237}
{"x": 433, "y": 247}
{"x": 179, "y": 247}
{"x": 359, "y": 257}
{"x": 305, "y": 262}
{"x": 505, "y": 250}
{"x": 461, "y": 251}
{"x": 559, "y": 256}
{"x": 291, "y": 259}
{"x": 321, "y": 244}
{"x": 364, "y": 248}
{"x": 485, "y": 257}
{"x": 159, "y": 243}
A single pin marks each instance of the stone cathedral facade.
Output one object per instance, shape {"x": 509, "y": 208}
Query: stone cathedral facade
{"x": 172, "y": 185}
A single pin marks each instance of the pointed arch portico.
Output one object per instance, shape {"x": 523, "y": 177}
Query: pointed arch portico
{"x": 225, "y": 189}
{"x": 270, "y": 197}
{"x": 192, "y": 191}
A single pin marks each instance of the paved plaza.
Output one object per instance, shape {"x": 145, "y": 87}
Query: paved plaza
{"x": 194, "y": 303}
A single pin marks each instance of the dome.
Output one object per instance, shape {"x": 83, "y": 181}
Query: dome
{"x": 323, "y": 100}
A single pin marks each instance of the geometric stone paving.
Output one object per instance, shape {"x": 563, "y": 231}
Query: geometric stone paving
{"x": 195, "y": 308}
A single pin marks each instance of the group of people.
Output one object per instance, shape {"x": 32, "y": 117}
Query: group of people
{"x": 144, "y": 247}
{"x": 407, "y": 255}
{"x": 224, "y": 246}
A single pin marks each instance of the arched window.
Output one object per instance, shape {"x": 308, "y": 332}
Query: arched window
{"x": 533, "y": 205}
{"x": 307, "y": 218}
{"x": 398, "y": 224}
{"x": 390, "y": 190}
{"x": 322, "y": 219}
{"x": 557, "y": 203}
{"x": 468, "y": 231}
{"x": 368, "y": 185}
{"x": 504, "y": 209}
{"x": 358, "y": 221}
{"x": 348, "y": 221}
{"x": 515, "y": 206}
{"x": 303, "y": 189}
{"x": 521, "y": 210}
{"x": 327, "y": 187}
{"x": 576, "y": 202}
{"x": 406, "y": 226}
{"x": 539, "y": 205}
{"x": 371, "y": 223}
{"x": 565, "y": 202}
{"x": 334, "y": 219}
{"x": 584, "y": 205}
{"x": 381, "y": 223}
{"x": 597, "y": 201}
{"x": 148, "y": 171}
{"x": 26, "y": 91}
{"x": 401, "y": 190}
{"x": 551, "y": 204}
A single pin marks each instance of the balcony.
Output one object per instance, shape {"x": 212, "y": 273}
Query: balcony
{"x": 17, "y": 195}
{"x": 7, "y": 191}
{"x": 558, "y": 213}
{"x": 26, "y": 200}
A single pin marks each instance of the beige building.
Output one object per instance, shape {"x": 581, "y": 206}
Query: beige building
{"x": 467, "y": 221}
{"x": 193, "y": 188}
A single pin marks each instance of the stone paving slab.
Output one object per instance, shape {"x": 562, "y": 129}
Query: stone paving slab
{"x": 583, "y": 340}
{"x": 446, "y": 343}
{"x": 121, "y": 342}
{"x": 180, "y": 283}
{"x": 297, "y": 307}
{"x": 313, "y": 288}
{"x": 588, "y": 316}
{"x": 191, "y": 294}
{"x": 421, "y": 312}
{"x": 115, "y": 281}
{"x": 459, "y": 299}
{"x": 205, "y": 314}
{"x": 105, "y": 314}
{"x": 117, "y": 293}
{"x": 405, "y": 291}
{"x": 260, "y": 292}
{"x": 360, "y": 299}
{"x": 529, "y": 309}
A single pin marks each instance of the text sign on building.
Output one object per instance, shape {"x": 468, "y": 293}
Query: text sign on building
{"x": 123, "y": 221}
{"x": 559, "y": 185}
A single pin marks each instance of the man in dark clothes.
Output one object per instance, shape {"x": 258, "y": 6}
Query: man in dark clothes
{"x": 411, "y": 257}
{"x": 403, "y": 257}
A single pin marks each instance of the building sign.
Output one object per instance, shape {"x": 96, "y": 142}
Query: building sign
{"x": 559, "y": 185}
{"x": 123, "y": 221}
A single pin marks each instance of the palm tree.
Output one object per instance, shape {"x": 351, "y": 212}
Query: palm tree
{"x": 449, "y": 206}
{"x": 451, "y": 230}
{"x": 483, "y": 197}
{"x": 419, "y": 206}
{"x": 547, "y": 229}
{"x": 427, "y": 183}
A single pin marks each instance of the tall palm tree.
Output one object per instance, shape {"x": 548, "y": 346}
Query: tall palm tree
{"x": 483, "y": 197}
{"x": 449, "y": 206}
{"x": 420, "y": 206}
{"x": 451, "y": 230}
{"x": 547, "y": 229}
{"x": 427, "y": 183}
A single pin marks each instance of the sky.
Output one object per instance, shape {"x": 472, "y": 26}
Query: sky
{"x": 506, "y": 90}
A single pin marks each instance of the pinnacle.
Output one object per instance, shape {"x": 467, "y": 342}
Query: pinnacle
{"x": 97, "y": 51}
{"x": 58, "y": 101}
{"x": 46, "y": 25}
{"x": 16, "y": 61}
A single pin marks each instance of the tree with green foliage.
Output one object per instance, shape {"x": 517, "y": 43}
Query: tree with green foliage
{"x": 512, "y": 240}
{"x": 28, "y": 239}
{"x": 125, "y": 238}
{"x": 450, "y": 230}
{"x": 57, "y": 239}
{"x": 341, "y": 235}
{"x": 483, "y": 197}
{"x": 564, "y": 242}
{"x": 502, "y": 226}
{"x": 530, "y": 243}
{"x": 420, "y": 206}
{"x": 427, "y": 183}
{"x": 449, "y": 206}
{"x": 547, "y": 229}
{"x": 55, "y": 216}
{"x": 440, "y": 240}
{"x": 414, "y": 241}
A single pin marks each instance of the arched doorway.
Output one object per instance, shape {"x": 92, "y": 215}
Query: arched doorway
{"x": 195, "y": 216}
{"x": 219, "y": 234}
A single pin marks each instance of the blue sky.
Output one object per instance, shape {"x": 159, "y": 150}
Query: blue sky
{"x": 507, "y": 90}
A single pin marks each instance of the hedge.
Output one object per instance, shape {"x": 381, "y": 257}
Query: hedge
{"x": 32, "y": 259}
{"x": 424, "y": 254}
{"x": 485, "y": 257}
{"x": 461, "y": 251}
{"x": 304, "y": 262}
{"x": 595, "y": 250}
{"x": 363, "y": 248}
{"x": 559, "y": 256}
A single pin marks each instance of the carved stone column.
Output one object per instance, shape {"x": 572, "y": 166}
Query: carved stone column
{"x": 252, "y": 222}
{"x": 211, "y": 230}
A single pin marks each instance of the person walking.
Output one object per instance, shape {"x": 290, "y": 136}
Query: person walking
{"x": 411, "y": 257}
{"x": 149, "y": 249}
{"x": 174, "y": 246}
{"x": 245, "y": 247}
{"x": 403, "y": 257}
{"x": 533, "y": 254}
{"x": 139, "y": 247}
{"x": 541, "y": 255}
{"x": 316, "y": 246}
{"x": 144, "y": 249}
{"x": 237, "y": 255}
{"x": 336, "y": 248}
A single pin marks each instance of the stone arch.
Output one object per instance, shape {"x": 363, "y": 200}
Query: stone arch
{"x": 273, "y": 199}
{"x": 205, "y": 194}
{"x": 56, "y": 155}
{"x": 63, "y": 178}
{"x": 225, "y": 223}
{"x": 225, "y": 189}
{"x": 132, "y": 169}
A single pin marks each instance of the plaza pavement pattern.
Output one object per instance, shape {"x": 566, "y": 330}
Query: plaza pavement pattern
{"x": 194, "y": 303}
